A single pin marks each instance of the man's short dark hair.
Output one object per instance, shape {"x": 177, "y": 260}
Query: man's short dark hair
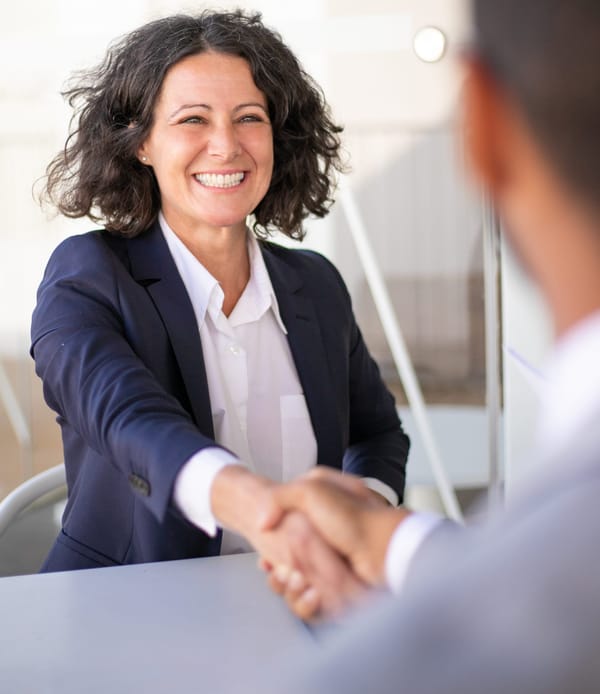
{"x": 547, "y": 53}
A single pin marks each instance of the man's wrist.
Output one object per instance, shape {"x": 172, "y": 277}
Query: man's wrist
{"x": 404, "y": 544}
{"x": 380, "y": 524}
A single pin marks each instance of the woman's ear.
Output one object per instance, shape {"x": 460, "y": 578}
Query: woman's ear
{"x": 141, "y": 154}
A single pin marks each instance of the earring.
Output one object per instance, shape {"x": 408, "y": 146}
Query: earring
{"x": 144, "y": 158}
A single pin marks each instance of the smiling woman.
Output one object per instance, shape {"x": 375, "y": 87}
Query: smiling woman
{"x": 192, "y": 364}
{"x": 99, "y": 175}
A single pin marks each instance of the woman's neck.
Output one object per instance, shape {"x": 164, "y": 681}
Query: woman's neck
{"x": 224, "y": 253}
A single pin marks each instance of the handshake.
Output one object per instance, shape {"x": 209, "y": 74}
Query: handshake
{"x": 323, "y": 541}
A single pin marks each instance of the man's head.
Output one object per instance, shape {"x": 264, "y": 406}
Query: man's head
{"x": 547, "y": 54}
{"x": 532, "y": 108}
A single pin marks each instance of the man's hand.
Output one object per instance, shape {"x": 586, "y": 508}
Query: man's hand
{"x": 314, "y": 581}
{"x": 318, "y": 581}
{"x": 347, "y": 516}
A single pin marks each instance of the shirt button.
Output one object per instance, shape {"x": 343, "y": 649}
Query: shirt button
{"x": 235, "y": 350}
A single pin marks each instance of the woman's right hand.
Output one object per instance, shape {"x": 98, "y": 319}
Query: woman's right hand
{"x": 349, "y": 516}
{"x": 318, "y": 582}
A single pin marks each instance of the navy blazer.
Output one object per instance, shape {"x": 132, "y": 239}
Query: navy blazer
{"x": 115, "y": 343}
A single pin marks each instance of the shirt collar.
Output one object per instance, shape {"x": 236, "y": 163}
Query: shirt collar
{"x": 573, "y": 383}
{"x": 205, "y": 291}
{"x": 260, "y": 284}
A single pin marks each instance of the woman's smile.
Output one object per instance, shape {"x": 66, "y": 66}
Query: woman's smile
{"x": 220, "y": 180}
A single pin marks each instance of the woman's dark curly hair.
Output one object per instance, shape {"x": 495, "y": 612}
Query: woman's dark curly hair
{"x": 98, "y": 174}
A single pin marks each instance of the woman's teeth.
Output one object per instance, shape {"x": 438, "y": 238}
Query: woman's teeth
{"x": 220, "y": 180}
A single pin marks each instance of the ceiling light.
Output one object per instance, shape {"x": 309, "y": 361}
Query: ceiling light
{"x": 430, "y": 44}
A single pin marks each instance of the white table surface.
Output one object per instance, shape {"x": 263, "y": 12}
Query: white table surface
{"x": 185, "y": 626}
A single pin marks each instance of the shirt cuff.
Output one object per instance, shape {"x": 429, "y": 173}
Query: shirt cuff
{"x": 403, "y": 546}
{"x": 382, "y": 488}
{"x": 193, "y": 484}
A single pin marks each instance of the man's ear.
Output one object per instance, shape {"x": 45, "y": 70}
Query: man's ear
{"x": 485, "y": 125}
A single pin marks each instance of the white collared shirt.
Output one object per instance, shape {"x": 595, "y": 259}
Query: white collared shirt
{"x": 572, "y": 385}
{"x": 571, "y": 395}
{"x": 258, "y": 407}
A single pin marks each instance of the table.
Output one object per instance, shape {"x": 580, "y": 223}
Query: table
{"x": 195, "y": 625}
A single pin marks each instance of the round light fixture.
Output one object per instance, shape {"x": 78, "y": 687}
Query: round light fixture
{"x": 430, "y": 44}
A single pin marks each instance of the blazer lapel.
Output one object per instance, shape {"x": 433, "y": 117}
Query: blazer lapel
{"x": 310, "y": 357}
{"x": 153, "y": 266}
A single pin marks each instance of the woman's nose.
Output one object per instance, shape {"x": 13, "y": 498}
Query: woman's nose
{"x": 223, "y": 142}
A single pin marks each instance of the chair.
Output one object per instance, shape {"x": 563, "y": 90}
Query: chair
{"x": 30, "y": 520}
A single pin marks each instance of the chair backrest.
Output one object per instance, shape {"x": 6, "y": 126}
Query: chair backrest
{"x": 29, "y": 521}
{"x": 29, "y": 491}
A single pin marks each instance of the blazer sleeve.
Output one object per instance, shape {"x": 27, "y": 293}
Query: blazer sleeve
{"x": 507, "y": 606}
{"x": 94, "y": 379}
{"x": 377, "y": 445}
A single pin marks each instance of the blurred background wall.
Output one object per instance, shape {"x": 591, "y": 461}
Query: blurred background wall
{"x": 400, "y": 116}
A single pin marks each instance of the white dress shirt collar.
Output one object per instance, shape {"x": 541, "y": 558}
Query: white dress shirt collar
{"x": 258, "y": 406}
{"x": 573, "y": 384}
{"x": 205, "y": 291}
{"x": 570, "y": 396}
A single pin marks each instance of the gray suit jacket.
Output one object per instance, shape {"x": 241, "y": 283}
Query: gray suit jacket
{"x": 510, "y": 608}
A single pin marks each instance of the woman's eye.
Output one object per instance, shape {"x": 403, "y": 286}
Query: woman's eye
{"x": 251, "y": 118}
{"x": 193, "y": 119}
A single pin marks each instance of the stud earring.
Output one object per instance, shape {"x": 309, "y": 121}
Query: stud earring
{"x": 144, "y": 158}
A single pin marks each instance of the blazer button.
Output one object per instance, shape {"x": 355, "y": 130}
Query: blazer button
{"x": 139, "y": 484}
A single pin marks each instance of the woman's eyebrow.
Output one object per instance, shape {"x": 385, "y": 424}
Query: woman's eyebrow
{"x": 186, "y": 106}
{"x": 249, "y": 104}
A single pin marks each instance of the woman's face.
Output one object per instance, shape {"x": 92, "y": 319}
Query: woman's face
{"x": 211, "y": 144}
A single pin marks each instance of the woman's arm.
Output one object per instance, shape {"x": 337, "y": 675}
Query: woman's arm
{"x": 94, "y": 379}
